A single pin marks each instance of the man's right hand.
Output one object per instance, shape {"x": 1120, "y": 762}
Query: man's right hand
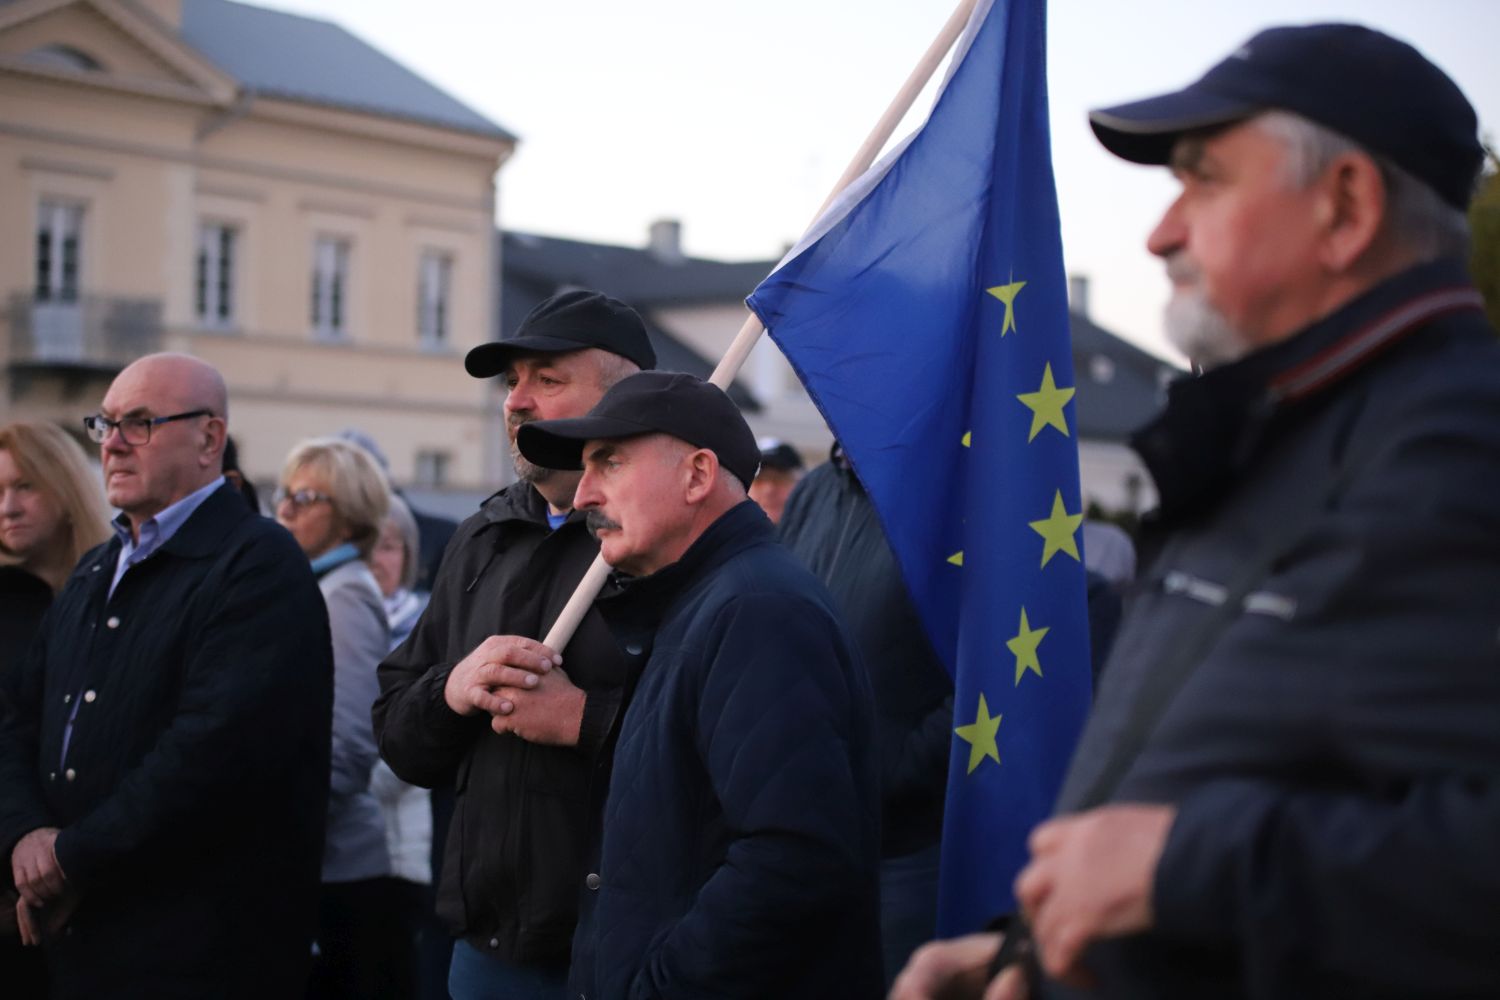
{"x": 956, "y": 970}
{"x": 499, "y": 661}
{"x": 33, "y": 866}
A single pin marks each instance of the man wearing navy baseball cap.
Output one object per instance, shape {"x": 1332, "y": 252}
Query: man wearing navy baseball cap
{"x": 1290, "y": 783}
{"x": 513, "y": 861}
{"x": 740, "y": 835}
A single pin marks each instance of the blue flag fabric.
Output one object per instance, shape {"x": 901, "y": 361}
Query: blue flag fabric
{"x": 926, "y": 313}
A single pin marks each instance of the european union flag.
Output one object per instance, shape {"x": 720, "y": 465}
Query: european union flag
{"x": 927, "y": 315}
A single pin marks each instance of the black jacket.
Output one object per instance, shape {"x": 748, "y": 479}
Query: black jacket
{"x": 191, "y": 800}
{"x": 513, "y": 863}
{"x": 741, "y": 831}
{"x": 832, "y": 527}
{"x": 24, "y": 598}
{"x": 1335, "y": 754}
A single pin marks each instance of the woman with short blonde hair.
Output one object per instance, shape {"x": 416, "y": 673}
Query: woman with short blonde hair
{"x": 350, "y": 482}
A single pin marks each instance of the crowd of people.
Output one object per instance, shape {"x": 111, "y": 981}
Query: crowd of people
{"x": 327, "y": 753}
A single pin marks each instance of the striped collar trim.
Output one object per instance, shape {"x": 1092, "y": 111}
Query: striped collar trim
{"x": 1357, "y": 348}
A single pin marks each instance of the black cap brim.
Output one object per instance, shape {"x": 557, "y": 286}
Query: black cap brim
{"x": 1145, "y": 131}
{"x": 560, "y": 444}
{"x": 489, "y": 360}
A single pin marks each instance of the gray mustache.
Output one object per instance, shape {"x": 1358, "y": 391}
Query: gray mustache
{"x": 597, "y": 522}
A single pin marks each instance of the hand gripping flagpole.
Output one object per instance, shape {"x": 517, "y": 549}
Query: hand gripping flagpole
{"x": 739, "y": 349}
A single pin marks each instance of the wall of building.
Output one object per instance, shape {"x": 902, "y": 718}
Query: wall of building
{"x": 150, "y": 167}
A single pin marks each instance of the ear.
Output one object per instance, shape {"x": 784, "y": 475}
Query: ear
{"x": 215, "y": 432}
{"x": 1352, "y": 212}
{"x": 702, "y": 475}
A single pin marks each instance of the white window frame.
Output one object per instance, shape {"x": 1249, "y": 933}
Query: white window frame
{"x": 434, "y": 298}
{"x": 59, "y": 223}
{"x": 215, "y": 274}
{"x": 330, "y": 287}
{"x": 433, "y": 468}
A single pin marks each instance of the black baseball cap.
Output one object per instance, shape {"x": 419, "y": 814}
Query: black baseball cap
{"x": 569, "y": 321}
{"x": 777, "y": 454}
{"x": 1368, "y": 86}
{"x": 684, "y": 406}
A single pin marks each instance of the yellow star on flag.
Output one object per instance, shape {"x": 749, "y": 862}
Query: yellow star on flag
{"x": 1024, "y": 646}
{"x": 980, "y": 735}
{"x": 957, "y": 558}
{"x": 1057, "y": 530}
{"x": 967, "y": 439}
{"x": 1007, "y": 294}
{"x": 1046, "y": 405}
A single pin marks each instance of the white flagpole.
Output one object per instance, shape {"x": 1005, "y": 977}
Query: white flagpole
{"x": 729, "y": 366}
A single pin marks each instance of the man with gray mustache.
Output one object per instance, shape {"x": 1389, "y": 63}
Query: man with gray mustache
{"x": 521, "y": 766}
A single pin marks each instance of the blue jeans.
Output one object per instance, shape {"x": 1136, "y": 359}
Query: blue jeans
{"x": 908, "y": 905}
{"x": 477, "y": 976}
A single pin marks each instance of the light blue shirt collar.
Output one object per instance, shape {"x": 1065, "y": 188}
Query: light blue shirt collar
{"x": 157, "y": 530}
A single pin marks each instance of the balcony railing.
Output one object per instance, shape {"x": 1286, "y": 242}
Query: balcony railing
{"x": 96, "y": 331}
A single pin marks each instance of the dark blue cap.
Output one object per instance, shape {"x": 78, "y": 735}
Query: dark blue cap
{"x": 1380, "y": 92}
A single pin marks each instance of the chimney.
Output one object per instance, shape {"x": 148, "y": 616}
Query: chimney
{"x": 665, "y": 241}
{"x": 169, "y": 11}
{"x": 1078, "y": 294}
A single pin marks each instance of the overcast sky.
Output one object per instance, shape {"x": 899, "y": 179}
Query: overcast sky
{"x": 736, "y": 116}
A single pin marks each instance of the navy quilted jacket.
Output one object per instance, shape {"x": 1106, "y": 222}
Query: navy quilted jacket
{"x": 741, "y": 830}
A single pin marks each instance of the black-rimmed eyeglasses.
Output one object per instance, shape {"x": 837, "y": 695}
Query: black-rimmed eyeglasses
{"x": 134, "y": 430}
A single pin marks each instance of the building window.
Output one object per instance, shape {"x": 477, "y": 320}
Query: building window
{"x": 59, "y": 229}
{"x": 433, "y": 281}
{"x": 330, "y": 287}
{"x": 432, "y": 468}
{"x": 214, "y": 280}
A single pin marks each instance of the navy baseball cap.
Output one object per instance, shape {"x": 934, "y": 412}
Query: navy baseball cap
{"x": 684, "y": 406}
{"x": 570, "y": 321}
{"x": 1380, "y": 92}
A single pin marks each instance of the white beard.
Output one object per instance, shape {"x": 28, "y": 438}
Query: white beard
{"x": 1195, "y": 327}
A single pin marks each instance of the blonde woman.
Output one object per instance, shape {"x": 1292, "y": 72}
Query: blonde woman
{"x": 52, "y": 511}
{"x": 333, "y": 498}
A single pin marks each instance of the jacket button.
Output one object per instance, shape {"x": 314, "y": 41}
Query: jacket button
{"x": 494, "y": 942}
{"x": 592, "y": 881}
{"x": 52, "y": 776}
{"x": 113, "y": 622}
{"x": 89, "y": 696}
{"x": 634, "y": 649}
{"x": 70, "y": 774}
{"x": 67, "y": 699}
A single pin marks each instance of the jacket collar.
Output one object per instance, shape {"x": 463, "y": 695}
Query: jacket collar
{"x": 519, "y": 502}
{"x": 741, "y": 527}
{"x": 1214, "y": 422}
{"x": 203, "y": 533}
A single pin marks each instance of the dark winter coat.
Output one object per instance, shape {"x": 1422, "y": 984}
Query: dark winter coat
{"x": 1335, "y": 755}
{"x": 192, "y": 797}
{"x": 513, "y": 863}
{"x": 741, "y": 832}
{"x": 832, "y": 527}
{"x": 24, "y": 598}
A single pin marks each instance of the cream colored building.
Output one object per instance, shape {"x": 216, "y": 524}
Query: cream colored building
{"x": 262, "y": 190}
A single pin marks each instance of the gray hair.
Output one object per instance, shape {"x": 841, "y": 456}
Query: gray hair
{"x": 613, "y": 367}
{"x": 401, "y": 516}
{"x": 1418, "y": 219}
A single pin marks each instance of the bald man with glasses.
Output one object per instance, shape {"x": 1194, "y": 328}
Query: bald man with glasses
{"x": 164, "y": 745}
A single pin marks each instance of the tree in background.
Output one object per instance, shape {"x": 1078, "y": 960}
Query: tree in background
{"x": 1484, "y": 222}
